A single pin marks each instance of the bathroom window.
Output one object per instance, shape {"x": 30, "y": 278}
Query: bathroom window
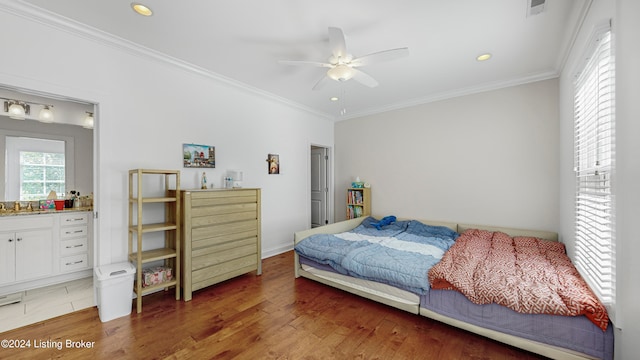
{"x": 40, "y": 173}
{"x": 35, "y": 167}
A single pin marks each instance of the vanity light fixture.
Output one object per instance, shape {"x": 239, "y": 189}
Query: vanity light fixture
{"x": 88, "y": 121}
{"x": 141, "y": 9}
{"x": 17, "y": 109}
{"x": 483, "y": 57}
{"x": 46, "y": 114}
{"x": 43, "y": 112}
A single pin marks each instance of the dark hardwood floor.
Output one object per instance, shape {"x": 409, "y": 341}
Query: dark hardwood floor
{"x": 272, "y": 316}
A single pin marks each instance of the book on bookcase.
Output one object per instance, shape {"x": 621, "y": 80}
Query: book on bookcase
{"x": 358, "y": 202}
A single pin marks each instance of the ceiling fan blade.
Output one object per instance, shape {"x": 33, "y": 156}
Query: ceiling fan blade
{"x": 312, "y": 63}
{"x": 364, "y": 78}
{"x": 380, "y": 56}
{"x": 321, "y": 83}
{"x": 337, "y": 42}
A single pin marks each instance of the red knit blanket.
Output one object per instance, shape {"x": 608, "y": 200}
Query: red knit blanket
{"x": 526, "y": 274}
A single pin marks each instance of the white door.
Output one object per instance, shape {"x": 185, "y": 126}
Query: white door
{"x": 319, "y": 186}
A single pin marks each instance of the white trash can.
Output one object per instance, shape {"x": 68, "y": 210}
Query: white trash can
{"x": 114, "y": 290}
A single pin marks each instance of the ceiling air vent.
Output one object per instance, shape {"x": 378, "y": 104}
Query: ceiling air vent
{"x": 535, "y": 7}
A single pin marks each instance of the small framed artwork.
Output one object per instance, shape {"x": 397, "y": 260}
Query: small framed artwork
{"x": 273, "y": 163}
{"x": 199, "y": 156}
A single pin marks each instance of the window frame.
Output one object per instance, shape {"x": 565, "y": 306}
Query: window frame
{"x": 12, "y": 184}
{"x": 596, "y": 183}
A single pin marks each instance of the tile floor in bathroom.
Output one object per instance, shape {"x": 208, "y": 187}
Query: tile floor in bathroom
{"x": 46, "y": 303}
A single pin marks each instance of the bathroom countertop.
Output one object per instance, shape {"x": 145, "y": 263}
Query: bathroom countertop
{"x": 11, "y": 212}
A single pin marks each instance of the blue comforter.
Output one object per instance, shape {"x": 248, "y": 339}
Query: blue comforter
{"x": 399, "y": 254}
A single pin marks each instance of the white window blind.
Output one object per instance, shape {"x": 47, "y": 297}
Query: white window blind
{"x": 594, "y": 120}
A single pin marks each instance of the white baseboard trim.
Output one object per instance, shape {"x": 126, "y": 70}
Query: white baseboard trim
{"x": 276, "y": 251}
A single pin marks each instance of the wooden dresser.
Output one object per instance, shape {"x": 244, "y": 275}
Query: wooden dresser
{"x": 221, "y": 236}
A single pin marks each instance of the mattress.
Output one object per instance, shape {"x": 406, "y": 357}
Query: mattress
{"x": 577, "y": 333}
{"x": 570, "y": 332}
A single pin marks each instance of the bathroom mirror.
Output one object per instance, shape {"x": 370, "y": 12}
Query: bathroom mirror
{"x": 55, "y": 156}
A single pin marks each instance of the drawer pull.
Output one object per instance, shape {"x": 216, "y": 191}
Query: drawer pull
{"x": 74, "y": 219}
{"x": 73, "y": 232}
{"x": 74, "y": 263}
{"x": 74, "y": 246}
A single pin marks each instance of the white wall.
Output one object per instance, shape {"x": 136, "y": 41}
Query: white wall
{"x": 627, "y": 38}
{"x": 147, "y": 109}
{"x": 487, "y": 158}
{"x": 625, "y": 16}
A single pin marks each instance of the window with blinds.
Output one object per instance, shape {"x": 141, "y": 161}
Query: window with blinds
{"x": 594, "y": 123}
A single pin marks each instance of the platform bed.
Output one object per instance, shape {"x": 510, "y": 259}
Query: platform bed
{"x": 553, "y": 336}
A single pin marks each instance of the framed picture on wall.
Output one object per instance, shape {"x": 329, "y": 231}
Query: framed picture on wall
{"x": 198, "y": 156}
{"x": 273, "y": 163}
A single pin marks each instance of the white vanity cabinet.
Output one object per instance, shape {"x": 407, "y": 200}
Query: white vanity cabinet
{"x": 39, "y": 249}
{"x": 26, "y": 248}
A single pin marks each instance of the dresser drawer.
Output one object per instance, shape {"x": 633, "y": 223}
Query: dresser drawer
{"x": 205, "y": 258}
{"x": 205, "y": 232}
{"x": 242, "y": 265}
{"x": 209, "y": 220}
{"x": 76, "y": 218}
{"x": 73, "y": 246}
{"x": 223, "y": 197}
{"x": 73, "y": 232}
{"x": 74, "y": 262}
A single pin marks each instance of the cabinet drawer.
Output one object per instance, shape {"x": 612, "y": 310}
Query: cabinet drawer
{"x": 75, "y": 262}
{"x": 73, "y": 231}
{"x": 75, "y": 218}
{"x": 74, "y": 246}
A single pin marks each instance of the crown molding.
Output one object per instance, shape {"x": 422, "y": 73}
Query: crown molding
{"x": 453, "y": 94}
{"x": 33, "y": 13}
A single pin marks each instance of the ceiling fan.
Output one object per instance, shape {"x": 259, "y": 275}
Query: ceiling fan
{"x": 343, "y": 66}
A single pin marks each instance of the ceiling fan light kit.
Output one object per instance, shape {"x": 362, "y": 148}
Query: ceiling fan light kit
{"x": 342, "y": 65}
{"x": 340, "y": 72}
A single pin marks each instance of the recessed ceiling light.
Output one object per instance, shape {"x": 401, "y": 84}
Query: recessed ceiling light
{"x": 141, "y": 9}
{"x": 334, "y": 98}
{"x": 483, "y": 57}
